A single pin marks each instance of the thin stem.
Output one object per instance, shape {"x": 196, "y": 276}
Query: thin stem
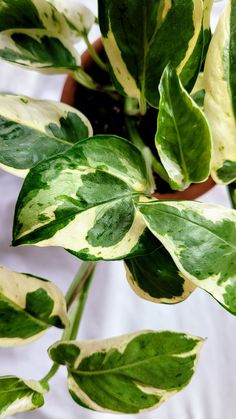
{"x": 142, "y": 104}
{"x": 80, "y": 278}
{"x": 138, "y": 141}
{"x": 78, "y": 309}
{"x": 131, "y": 107}
{"x": 232, "y": 194}
{"x": 93, "y": 53}
{"x": 53, "y": 370}
{"x": 76, "y": 298}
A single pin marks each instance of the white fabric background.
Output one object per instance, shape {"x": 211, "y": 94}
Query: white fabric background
{"x": 112, "y": 308}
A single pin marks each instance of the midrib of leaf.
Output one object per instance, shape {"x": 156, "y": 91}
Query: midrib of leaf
{"x": 184, "y": 167}
{"x": 28, "y": 389}
{"x": 199, "y": 225}
{"x": 131, "y": 195}
{"x": 123, "y": 367}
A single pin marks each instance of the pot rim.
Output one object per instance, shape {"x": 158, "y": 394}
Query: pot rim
{"x": 69, "y": 92}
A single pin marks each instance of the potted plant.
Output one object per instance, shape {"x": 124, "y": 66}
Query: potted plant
{"x": 96, "y": 195}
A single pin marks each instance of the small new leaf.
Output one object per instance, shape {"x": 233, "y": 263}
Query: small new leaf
{"x": 17, "y": 395}
{"x": 34, "y": 130}
{"x": 183, "y": 137}
{"x": 28, "y": 307}
{"x": 156, "y": 278}
{"x": 201, "y": 239}
{"x": 129, "y": 374}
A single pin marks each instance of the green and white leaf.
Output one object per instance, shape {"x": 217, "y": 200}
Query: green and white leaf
{"x": 34, "y": 130}
{"x": 220, "y": 99}
{"x": 79, "y": 18}
{"x": 34, "y": 34}
{"x": 17, "y": 395}
{"x": 201, "y": 239}
{"x": 129, "y": 374}
{"x": 183, "y": 137}
{"x": 28, "y": 307}
{"x": 142, "y": 37}
{"x": 156, "y": 278}
{"x": 198, "y": 92}
{"x": 83, "y": 200}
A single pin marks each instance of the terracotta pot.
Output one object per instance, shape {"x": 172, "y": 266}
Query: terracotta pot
{"x": 69, "y": 93}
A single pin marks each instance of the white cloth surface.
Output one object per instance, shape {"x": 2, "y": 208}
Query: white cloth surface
{"x": 113, "y": 309}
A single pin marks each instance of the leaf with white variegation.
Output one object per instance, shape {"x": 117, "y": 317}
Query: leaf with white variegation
{"x": 83, "y": 200}
{"x": 220, "y": 99}
{"x": 141, "y": 37}
{"x": 78, "y": 17}
{"x": 33, "y": 130}
{"x": 198, "y": 92}
{"x": 129, "y": 374}
{"x": 17, "y": 395}
{"x": 34, "y": 34}
{"x": 183, "y": 137}
{"x": 201, "y": 239}
{"x": 156, "y": 278}
{"x": 28, "y": 307}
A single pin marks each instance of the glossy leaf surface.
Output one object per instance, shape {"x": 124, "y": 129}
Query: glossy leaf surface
{"x": 78, "y": 17}
{"x": 28, "y": 307}
{"x": 156, "y": 278}
{"x": 17, "y": 395}
{"x": 220, "y": 99}
{"x": 34, "y": 34}
{"x": 142, "y": 37}
{"x": 83, "y": 200}
{"x": 183, "y": 137}
{"x": 129, "y": 374}
{"x": 201, "y": 239}
{"x": 33, "y": 130}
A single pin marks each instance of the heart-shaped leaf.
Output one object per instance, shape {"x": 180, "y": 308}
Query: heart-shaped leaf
{"x": 183, "y": 137}
{"x": 83, "y": 200}
{"x": 33, "y": 130}
{"x": 128, "y": 374}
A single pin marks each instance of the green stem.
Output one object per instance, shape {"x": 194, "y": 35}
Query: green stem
{"x": 77, "y": 284}
{"x": 76, "y": 298}
{"x": 232, "y": 194}
{"x": 93, "y": 53}
{"x": 138, "y": 141}
{"x": 143, "y": 104}
{"x": 77, "y": 308}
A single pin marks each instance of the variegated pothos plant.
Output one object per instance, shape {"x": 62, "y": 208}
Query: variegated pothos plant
{"x": 93, "y": 194}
